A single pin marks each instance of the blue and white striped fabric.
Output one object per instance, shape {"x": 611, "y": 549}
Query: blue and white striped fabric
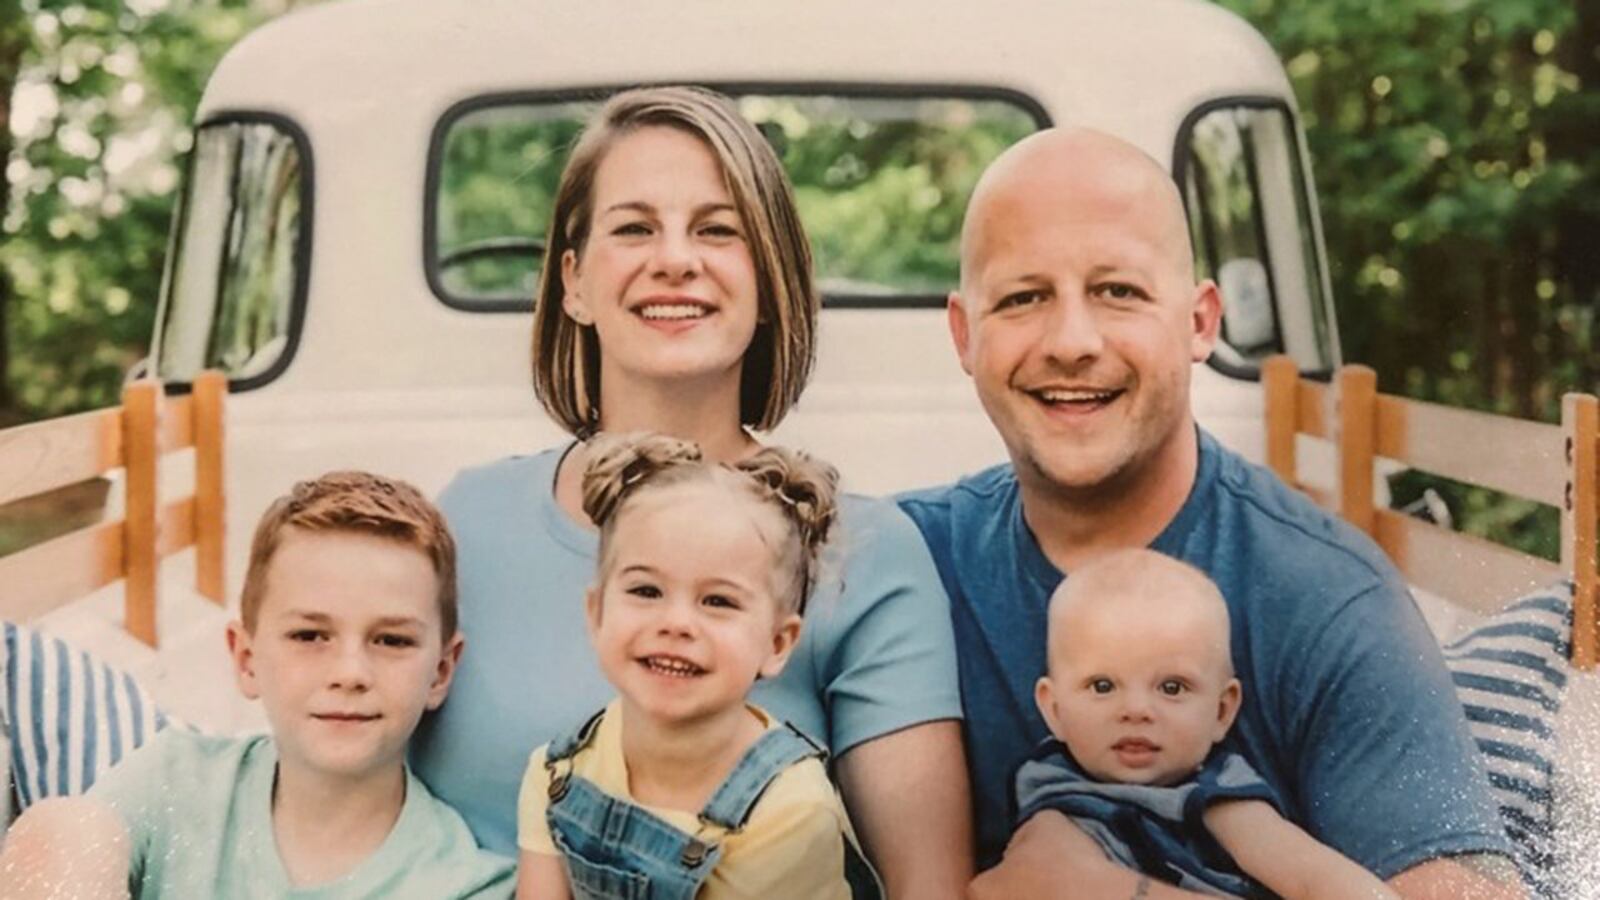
{"x": 67, "y": 716}
{"x": 1511, "y": 673}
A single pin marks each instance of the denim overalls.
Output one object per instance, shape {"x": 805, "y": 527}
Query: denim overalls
{"x": 616, "y": 850}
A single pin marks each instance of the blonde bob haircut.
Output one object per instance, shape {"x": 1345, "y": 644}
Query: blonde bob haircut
{"x": 566, "y": 356}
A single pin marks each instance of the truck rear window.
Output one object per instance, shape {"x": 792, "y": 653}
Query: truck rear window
{"x": 881, "y": 182}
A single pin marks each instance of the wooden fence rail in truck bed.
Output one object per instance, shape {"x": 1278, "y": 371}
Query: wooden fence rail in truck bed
{"x": 1558, "y": 465}
{"x": 48, "y": 455}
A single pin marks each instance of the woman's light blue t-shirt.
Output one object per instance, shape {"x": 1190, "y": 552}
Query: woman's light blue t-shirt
{"x": 875, "y": 656}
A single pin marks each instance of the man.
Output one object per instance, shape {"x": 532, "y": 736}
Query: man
{"x": 1078, "y": 318}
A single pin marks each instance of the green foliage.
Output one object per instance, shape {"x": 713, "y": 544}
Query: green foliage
{"x": 880, "y": 185}
{"x": 102, "y": 101}
{"x": 1455, "y": 192}
{"x": 498, "y": 180}
{"x": 1457, "y": 155}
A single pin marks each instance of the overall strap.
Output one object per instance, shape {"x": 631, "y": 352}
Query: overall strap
{"x": 558, "y": 756}
{"x": 570, "y": 742}
{"x": 776, "y": 750}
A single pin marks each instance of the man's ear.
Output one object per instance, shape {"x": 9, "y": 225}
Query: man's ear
{"x": 449, "y": 659}
{"x": 1205, "y": 319}
{"x": 960, "y": 334}
{"x": 573, "y": 303}
{"x": 1044, "y": 697}
{"x": 1228, "y": 708}
{"x": 784, "y": 638}
{"x": 241, "y": 649}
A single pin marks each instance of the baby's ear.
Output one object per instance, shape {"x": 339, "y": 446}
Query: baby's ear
{"x": 1044, "y": 697}
{"x": 1228, "y": 707}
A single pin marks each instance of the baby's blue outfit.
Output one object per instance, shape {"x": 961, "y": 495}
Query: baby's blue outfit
{"x": 198, "y": 811}
{"x": 876, "y": 654}
{"x": 616, "y": 850}
{"x": 1155, "y": 830}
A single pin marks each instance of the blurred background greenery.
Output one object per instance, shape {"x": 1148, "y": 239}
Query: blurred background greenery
{"x": 1455, "y": 145}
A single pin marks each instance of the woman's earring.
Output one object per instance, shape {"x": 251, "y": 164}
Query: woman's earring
{"x": 577, "y": 314}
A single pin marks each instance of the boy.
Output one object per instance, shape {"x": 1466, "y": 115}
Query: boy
{"x": 346, "y": 633}
{"x": 1139, "y": 692}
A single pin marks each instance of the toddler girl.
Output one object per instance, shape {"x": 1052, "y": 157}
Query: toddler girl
{"x": 679, "y": 788}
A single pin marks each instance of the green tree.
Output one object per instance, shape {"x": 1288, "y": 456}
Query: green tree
{"x": 881, "y": 185}
{"x": 100, "y": 95}
{"x": 13, "y": 36}
{"x": 1457, "y": 163}
{"x": 1457, "y": 155}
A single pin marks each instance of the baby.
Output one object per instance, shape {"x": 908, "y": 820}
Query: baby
{"x": 1139, "y": 691}
{"x": 680, "y": 788}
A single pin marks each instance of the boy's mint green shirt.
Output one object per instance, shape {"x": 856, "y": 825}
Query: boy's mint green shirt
{"x": 199, "y": 816}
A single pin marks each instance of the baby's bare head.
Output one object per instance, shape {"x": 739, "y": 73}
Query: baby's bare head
{"x": 1145, "y": 596}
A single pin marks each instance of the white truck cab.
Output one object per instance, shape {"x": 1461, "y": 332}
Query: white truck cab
{"x": 371, "y": 182}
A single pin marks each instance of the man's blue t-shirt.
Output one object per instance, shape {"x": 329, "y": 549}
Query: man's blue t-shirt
{"x": 1349, "y": 713}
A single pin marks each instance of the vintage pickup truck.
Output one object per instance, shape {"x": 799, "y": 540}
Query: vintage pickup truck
{"x": 370, "y": 185}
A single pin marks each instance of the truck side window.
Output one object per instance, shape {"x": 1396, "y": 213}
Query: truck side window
{"x": 238, "y": 255}
{"x": 881, "y": 182}
{"x": 1253, "y": 227}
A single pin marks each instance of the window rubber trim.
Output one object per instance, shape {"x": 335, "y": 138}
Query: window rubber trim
{"x": 1180, "y": 172}
{"x": 598, "y": 93}
{"x": 302, "y": 248}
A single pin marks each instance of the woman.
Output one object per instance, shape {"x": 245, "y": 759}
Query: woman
{"x": 677, "y": 297}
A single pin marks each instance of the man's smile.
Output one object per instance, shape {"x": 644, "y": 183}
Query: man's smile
{"x": 1075, "y": 400}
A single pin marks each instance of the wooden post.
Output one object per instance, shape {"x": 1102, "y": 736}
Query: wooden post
{"x": 1357, "y": 402}
{"x": 210, "y": 389}
{"x": 140, "y": 457}
{"x": 1278, "y": 382}
{"x": 1580, "y": 519}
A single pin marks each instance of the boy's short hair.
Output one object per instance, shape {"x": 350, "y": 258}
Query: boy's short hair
{"x": 362, "y": 503}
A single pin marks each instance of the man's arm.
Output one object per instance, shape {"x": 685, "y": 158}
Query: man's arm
{"x": 1480, "y": 876}
{"x": 65, "y": 847}
{"x": 1050, "y": 858}
{"x": 1291, "y": 863}
{"x": 907, "y": 795}
{"x": 1386, "y": 771}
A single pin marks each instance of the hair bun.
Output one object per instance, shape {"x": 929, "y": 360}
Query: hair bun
{"x": 804, "y": 487}
{"x": 617, "y": 463}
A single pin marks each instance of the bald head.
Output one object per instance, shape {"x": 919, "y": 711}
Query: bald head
{"x": 1073, "y": 172}
{"x": 1149, "y": 590}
